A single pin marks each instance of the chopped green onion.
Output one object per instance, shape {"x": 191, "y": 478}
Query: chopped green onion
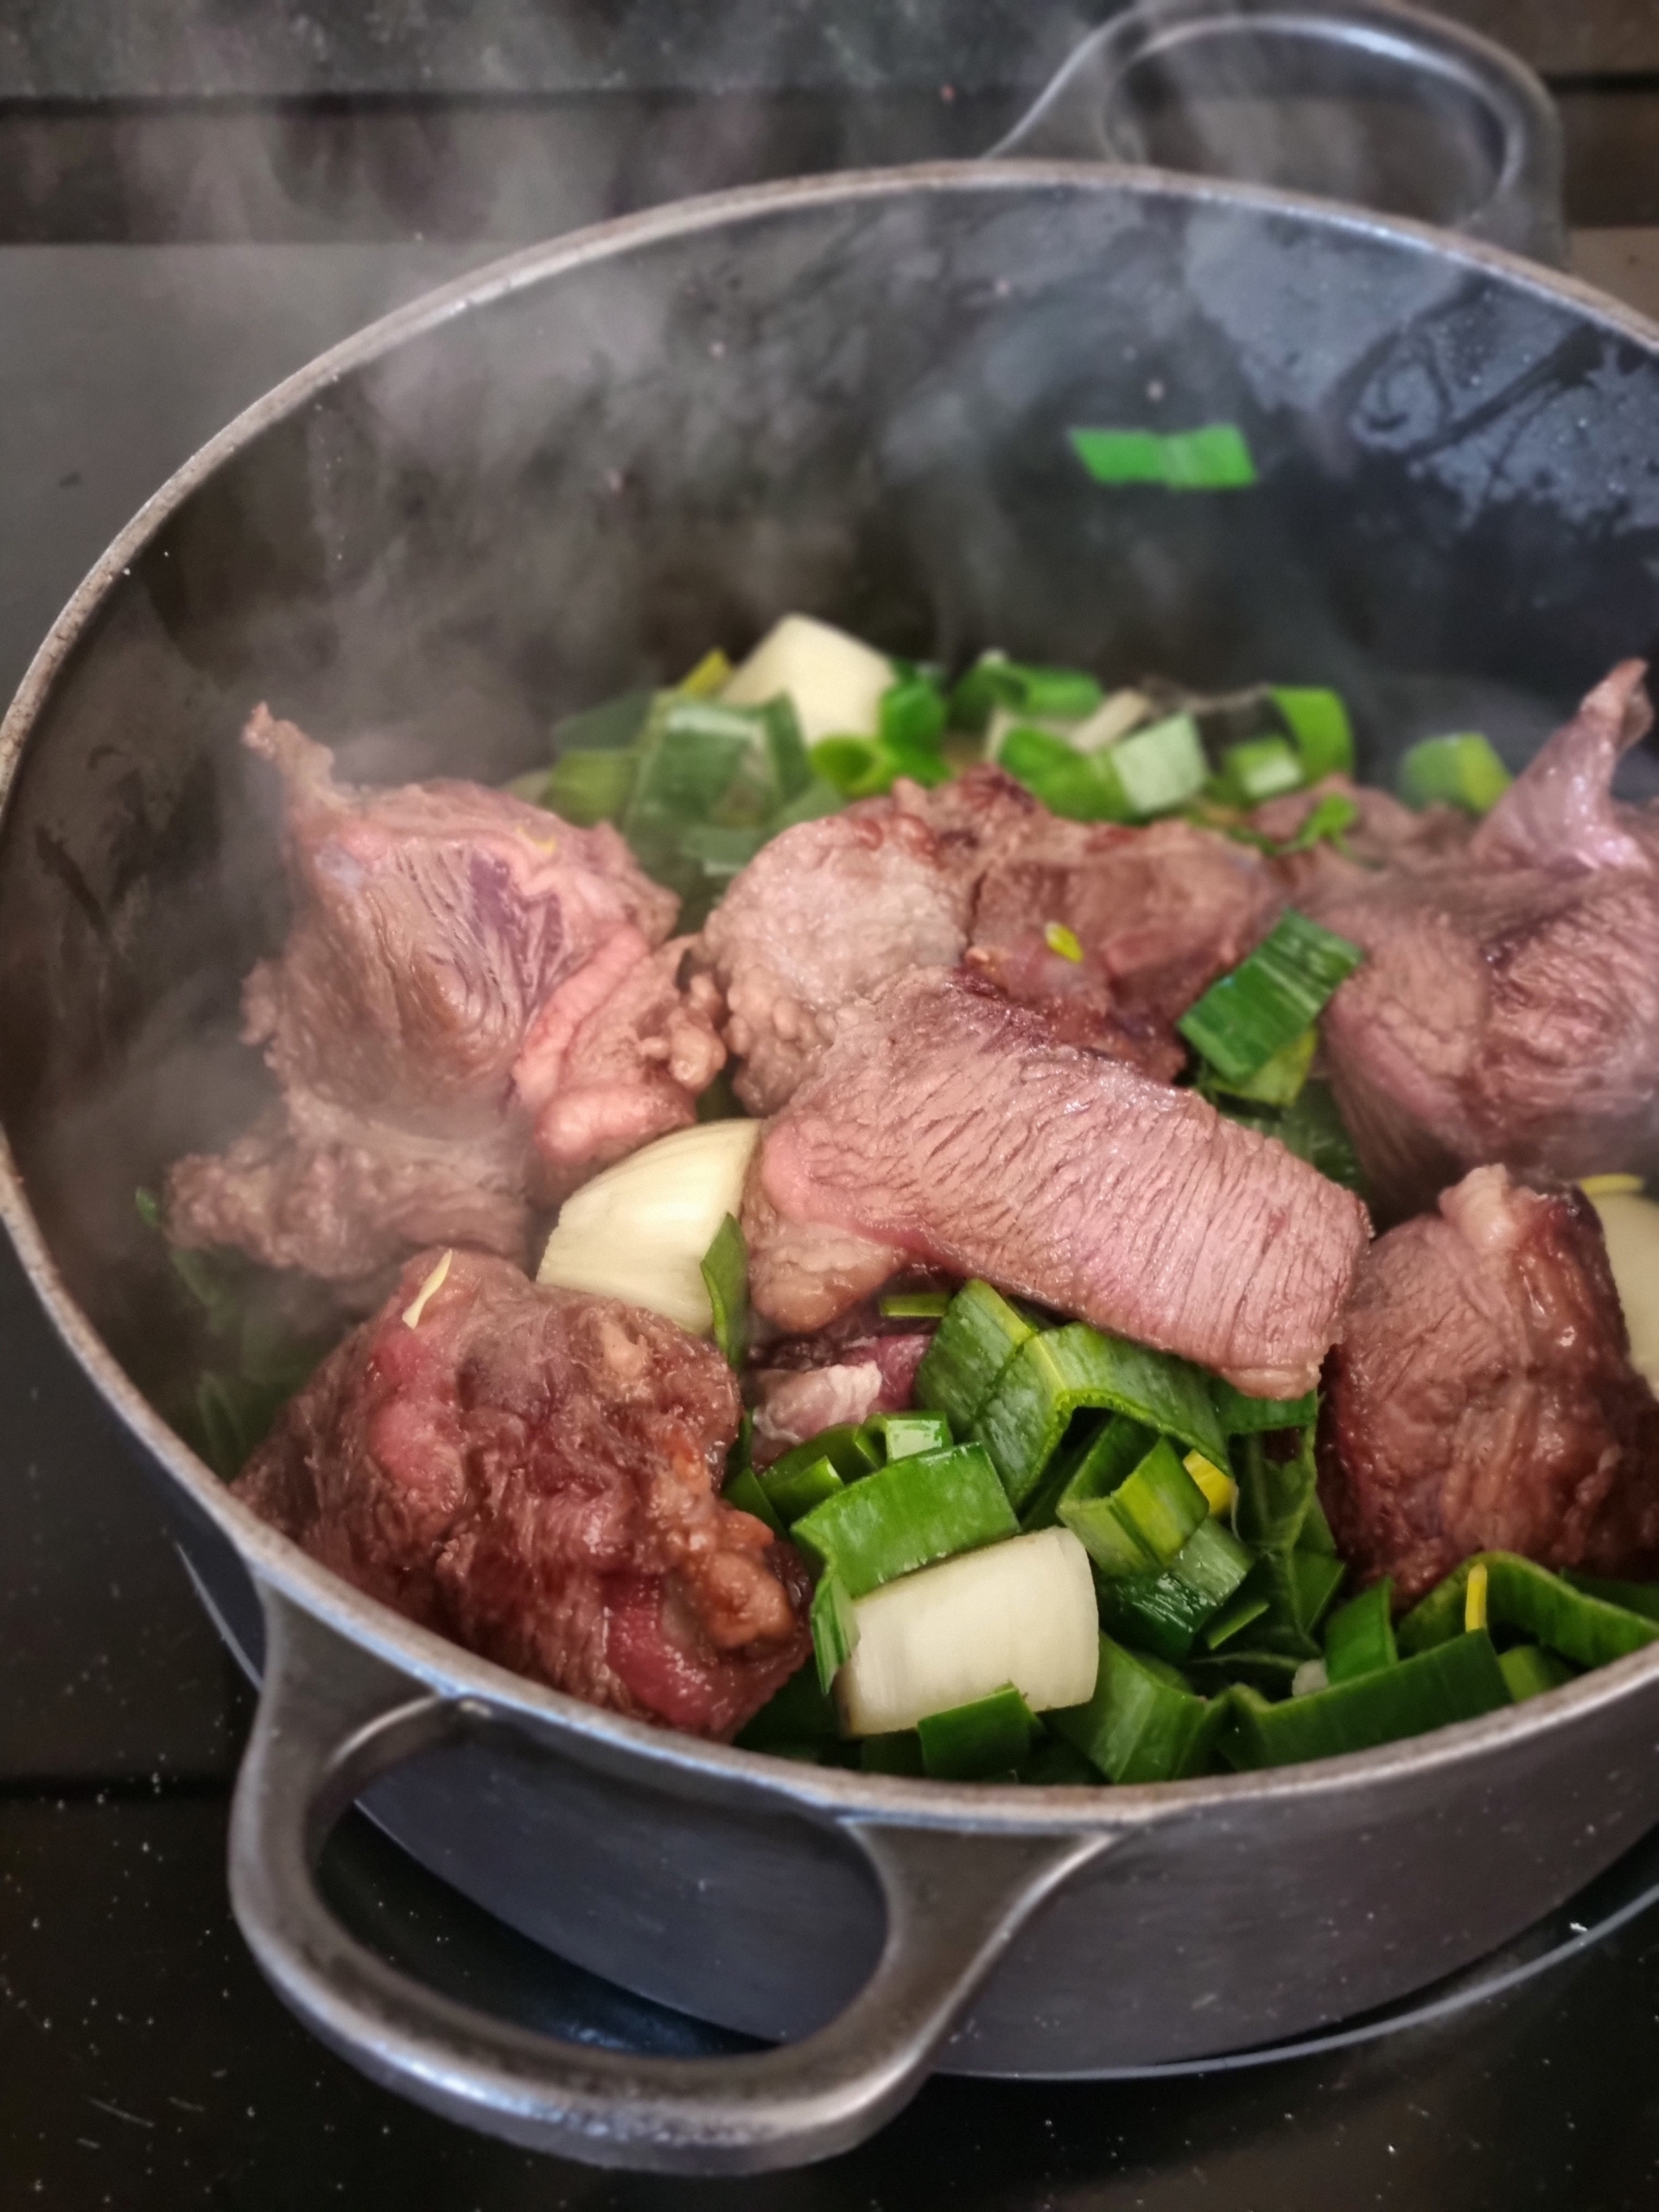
{"x": 786, "y": 746}
{"x": 815, "y": 798}
{"x": 851, "y": 1451}
{"x": 1315, "y": 1579}
{"x": 899, "y": 1753}
{"x": 994, "y": 681}
{"x": 1063, "y": 941}
{"x": 1063, "y": 780}
{"x": 1055, "y": 1765}
{"x": 1277, "y": 1082}
{"x": 709, "y": 678}
{"x": 1212, "y": 458}
{"x": 1274, "y": 1496}
{"x": 1090, "y": 1463}
{"x": 1164, "y": 1613}
{"x": 1143, "y": 1723}
{"x": 586, "y": 787}
{"x": 1270, "y": 998}
{"x": 912, "y": 713}
{"x": 858, "y": 767}
{"x": 1457, "y": 771}
{"x": 1234, "y": 1616}
{"x": 835, "y": 1630}
{"x": 726, "y": 1277}
{"x": 797, "y": 1714}
{"x": 793, "y": 1491}
{"x": 992, "y": 1735}
{"x": 1271, "y": 1672}
{"x": 1523, "y": 1595}
{"x": 1458, "y": 1681}
{"x": 722, "y": 851}
{"x": 1260, "y": 768}
{"x": 917, "y": 1509}
{"x": 1316, "y": 1535}
{"x": 979, "y": 1335}
{"x": 744, "y": 1491}
{"x": 1062, "y": 1371}
{"x": 1145, "y": 1521}
{"x": 688, "y": 758}
{"x": 1529, "y": 1671}
{"x": 914, "y": 1304}
{"x": 903, "y": 1435}
{"x": 1242, "y": 1416}
{"x": 1335, "y": 815}
{"x": 1635, "y": 1597}
{"x": 1319, "y": 728}
{"x": 1153, "y": 771}
{"x": 612, "y": 727}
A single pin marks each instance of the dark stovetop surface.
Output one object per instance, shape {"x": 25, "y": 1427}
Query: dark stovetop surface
{"x": 142, "y": 2063}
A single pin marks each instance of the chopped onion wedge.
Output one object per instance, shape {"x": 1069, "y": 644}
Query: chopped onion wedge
{"x": 640, "y": 1231}
{"x": 1631, "y": 1225}
{"x": 835, "y": 683}
{"x": 1021, "y": 1613}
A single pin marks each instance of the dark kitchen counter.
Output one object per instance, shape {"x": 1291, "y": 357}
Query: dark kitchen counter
{"x": 142, "y": 2063}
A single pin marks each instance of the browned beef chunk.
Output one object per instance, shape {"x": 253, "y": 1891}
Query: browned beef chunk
{"x": 533, "y": 1473}
{"x": 947, "y": 1127}
{"x": 466, "y": 977}
{"x": 820, "y": 916}
{"x": 1481, "y": 1397}
{"x": 860, "y": 1366}
{"x": 829, "y": 911}
{"x": 1509, "y": 1007}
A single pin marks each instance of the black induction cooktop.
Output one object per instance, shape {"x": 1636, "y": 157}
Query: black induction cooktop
{"x": 142, "y": 2062}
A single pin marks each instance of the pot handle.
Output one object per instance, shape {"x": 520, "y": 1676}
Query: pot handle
{"x": 1074, "y": 119}
{"x": 332, "y": 1718}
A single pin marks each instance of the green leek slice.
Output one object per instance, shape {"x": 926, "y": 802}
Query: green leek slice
{"x": 1270, "y": 998}
{"x": 903, "y": 1435}
{"x": 1059, "y": 1372}
{"x": 1359, "y": 1636}
{"x": 1142, "y": 1724}
{"x": 1260, "y": 768}
{"x": 992, "y": 1735}
{"x": 1164, "y": 1613}
{"x": 793, "y": 1490}
{"x": 1456, "y": 1680}
{"x": 1242, "y": 1416}
{"x": 1460, "y": 771}
{"x": 979, "y": 1335}
{"x": 1319, "y": 729}
{"x": 928, "y": 1507}
{"x": 587, "y": 786}
{"x": 1144, "y": 1522}
{"x": 834, "y": 1628}
{"x": 1521, "y": 1595}
{"x": 1529, "y": 1671}
{"x": 743, "y": 1491}
{"x": 726, "y": 1276}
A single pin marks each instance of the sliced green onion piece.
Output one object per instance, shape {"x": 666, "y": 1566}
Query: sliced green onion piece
{"x": 1316, "y": 1535}
{"x": 815, "y": 798}
{"x": 1090, "y": 1463}
{"x": 612, "y": 727}
{"x": 990, "y": 1736}
{"x": 1234, "y": 1616}
{"x": 979, "y": 1335}
{"x": 744, "y": 1491}
{"x": 1319, "y": 728}
{"x": 1056, "y": 1764}
{"x": 1153, "y": 771}
{"x": 722, "y": 851}
{"x": 858, "y": 767}
{"x": 912, "y": 713}
{"x": 1635, "y": 1597}
{"x": 1142, "y": 1524}
{"x": 691, "y": 754}
{"x": 794, "y": 1491}
{"x": 1315, "y": 1579}
{"x": 1260, "y": 768}
{"x": 709, "y": 678}
{"x": 797, "y": 1713}
{"x": 994, "y": 681}
{"x": 928, "y": 1507}
{"x": 903, "y": 1435}
{"x": 914, "y": 1304}
{"x": 1142, "y": 1724}
{"x": 1062, "y": 1371}
{"x": 1278, "y": 1081}
{"x": 1458, "y": 1681}
{"x": 1521, "y": 1595}
{"x": 1164, "y": 1613}
{"x": 1460, "y": 771}
{"x": 899, "y": 1753}
{"x": 1270, "y": 998}
{"x": 1242, "y": 1416}
{"x": 585, "y": 787}
{"x": 1065, "y": 780}
{"x": 1213, "y": 458}
{"x": 835, "y": 1630}
{"x": 1334, "y": 815}
{"x": 1529, "y": 1671}
{"x": 726, "y": 1275}
{"x": 1273, "y": 1495}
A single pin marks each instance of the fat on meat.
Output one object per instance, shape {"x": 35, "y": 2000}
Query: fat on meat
{"x": 947, "y": 1127}
{"x": 474, "y": 1005}
{"x": 1480, "y": 1396}
{"x": 533, "y": 1472}
{"x": 979, "y": 870}
{"x": 1508, "y": 1007}
{"x": 861, "y": 1365}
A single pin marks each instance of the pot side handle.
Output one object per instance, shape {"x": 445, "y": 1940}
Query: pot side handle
{"x": 332, "y": 1718}
{"x": 1073, "y": 119}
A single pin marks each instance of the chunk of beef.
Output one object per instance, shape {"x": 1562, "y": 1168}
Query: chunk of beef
{"x": 1154, "y": 915}
{"x": 1508, "y": 1010}
{"x": 858, "y": 1367}
{"x": 1386, "y": 835}
{"x": 820, "y": 915}
{"x": 465, "y": 975}
{"x": 533, "y": 1473}
{"x": 1481, "y": 1397}
{"x": 979, "y": 867}
{"x": 947, "y": 1127}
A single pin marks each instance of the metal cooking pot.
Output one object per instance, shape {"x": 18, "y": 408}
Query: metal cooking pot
{"x": 569, "y": 475}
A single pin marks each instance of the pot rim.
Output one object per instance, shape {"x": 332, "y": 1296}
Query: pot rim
{"x": 588, "y": 1732}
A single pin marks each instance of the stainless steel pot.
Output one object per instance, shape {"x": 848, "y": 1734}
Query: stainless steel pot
{"x": 571, "y": 474}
